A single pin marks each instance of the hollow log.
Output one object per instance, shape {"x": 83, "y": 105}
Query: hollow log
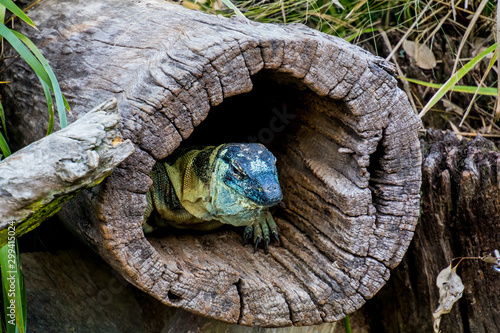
{"x": 38, "y": 179}
{"x": 344, "y": 135}
{"x": 460, "y": 218}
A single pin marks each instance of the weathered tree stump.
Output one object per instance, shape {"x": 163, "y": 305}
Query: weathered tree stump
{"x": 344, "y": 135}
{"x": 460, "y": 218}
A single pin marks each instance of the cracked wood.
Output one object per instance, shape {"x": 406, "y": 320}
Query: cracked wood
{"x": 38, "y": 179}
{"x": 349, "y": 160}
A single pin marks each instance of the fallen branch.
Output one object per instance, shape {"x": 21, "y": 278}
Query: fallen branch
{"x": 38, "y": 179}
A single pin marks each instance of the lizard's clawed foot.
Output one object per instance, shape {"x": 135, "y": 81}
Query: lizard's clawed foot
{"x": 262, "y": 230}
{"x": 147, "y": 228}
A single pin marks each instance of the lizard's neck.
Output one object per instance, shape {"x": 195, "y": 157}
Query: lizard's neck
{"x": 191, "y": 176}
{"x": 197, "y": 180}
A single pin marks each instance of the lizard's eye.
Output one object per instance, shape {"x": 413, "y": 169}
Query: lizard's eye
{"x": 238, "y": 171}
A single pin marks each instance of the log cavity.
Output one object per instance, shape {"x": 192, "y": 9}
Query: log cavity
{"x": 303, "y": 132}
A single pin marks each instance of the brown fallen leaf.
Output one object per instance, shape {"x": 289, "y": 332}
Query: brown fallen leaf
{"x": 422, "y": 54}
{"x": 488, "y": 258}
{"x": 452, "y": 107}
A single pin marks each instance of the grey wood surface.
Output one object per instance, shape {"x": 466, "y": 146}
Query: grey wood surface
{"x": 36, "y": 180}
{"x": 460, "y": 218}
{"x": 72, "y": 290}
{"x": 343, "y": 132}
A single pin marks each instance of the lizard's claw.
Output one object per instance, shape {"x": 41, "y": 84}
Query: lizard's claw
{"x": 275, "y": 235}
{"x": 257, "y": 241}
{"x": 273, "y": 227}
{"x": 147, "y": 228}
{"x": 261, "y": 230}
{"x": 247, "y": 234}
{"x": 257, "y": 235}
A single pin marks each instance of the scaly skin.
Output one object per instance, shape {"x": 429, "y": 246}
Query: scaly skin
{"x": 205, "y": 187}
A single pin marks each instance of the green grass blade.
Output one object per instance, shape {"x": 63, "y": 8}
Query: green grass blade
{"x": 61, "y": 102}
{"x": 12, "y": 287}
{"x": 455, "y": 78}
{"x": 25, "y": 53}
{"x": 464, "y": 89}
{"x": 66, "y": 104}
{"x": 5, "y": 311}
{"x": 347, "y": 324}
{"x": 2, "y": 14}
{"x": 16, "y": 11}
{"x": 39, "y": 65}
{"x": 21, "y": 295}
{"x": 4, "y": 147}
{"x": 2, "y": 120}
{"x": 233, "y": 7}
{"x": 50, "y": 105}
{"x": 473, "y": 99}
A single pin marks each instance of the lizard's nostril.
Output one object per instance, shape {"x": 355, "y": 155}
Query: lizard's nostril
{"x": 274, "y": 193}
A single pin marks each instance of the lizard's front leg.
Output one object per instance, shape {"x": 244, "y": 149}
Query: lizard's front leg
{"x": 262, "y": 229}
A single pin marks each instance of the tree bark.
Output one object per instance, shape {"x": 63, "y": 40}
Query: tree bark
{"x": 38, "y": 179}
{"x": 59, "y": 281}
{"x": 344, "y": 135}
{"x": 460, "y": 217}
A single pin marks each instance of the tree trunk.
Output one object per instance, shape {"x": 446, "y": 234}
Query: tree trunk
{"x": 37, "y": 180}
{"x": 460, "y": 218}
{"x": 344, "y": 135}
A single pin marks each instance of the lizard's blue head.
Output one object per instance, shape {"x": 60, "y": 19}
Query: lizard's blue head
{"x": 251, "y": 172}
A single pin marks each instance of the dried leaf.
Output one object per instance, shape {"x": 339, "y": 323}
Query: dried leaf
{"x": 219, "y": 5}
{"x": 190, "y": 5}
{"x": 116, "y": 141}
{"x": 489, "y": 259}
{"x": 450, "y": 290}
{"x": 422, "y": 54}
{"x": 452, "y": 107}
{"x": 455, "y": 129}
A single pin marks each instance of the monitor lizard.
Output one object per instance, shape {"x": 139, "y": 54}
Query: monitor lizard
{"x": 204, "y": 188}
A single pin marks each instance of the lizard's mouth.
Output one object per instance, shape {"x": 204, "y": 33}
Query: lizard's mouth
{"x": 272, "y": 204}
{"x": 269, "y": 200}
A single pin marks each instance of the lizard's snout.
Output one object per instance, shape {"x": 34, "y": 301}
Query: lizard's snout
{"x": 273, "y": 194}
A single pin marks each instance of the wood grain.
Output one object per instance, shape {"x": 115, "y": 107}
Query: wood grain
{"x": 38, "y": 179}
{"x": 460, "y": 218}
